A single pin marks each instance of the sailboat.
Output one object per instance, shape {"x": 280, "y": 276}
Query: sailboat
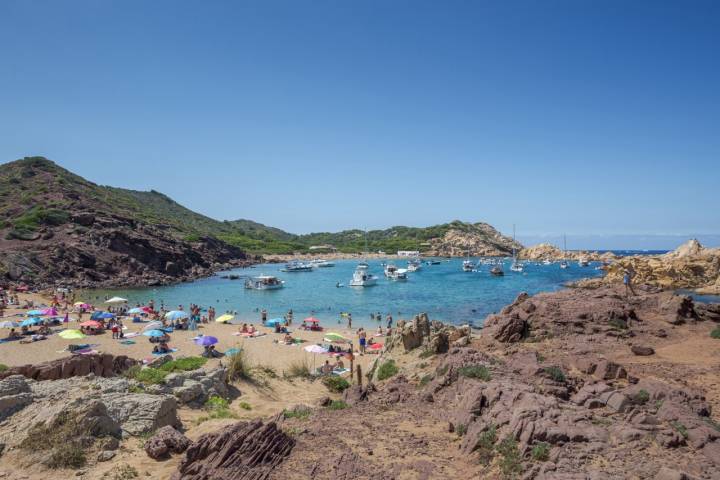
{"x": 564, "y": 263}
{"x": 515, "y": 267}
{"x": 468, "y": 265}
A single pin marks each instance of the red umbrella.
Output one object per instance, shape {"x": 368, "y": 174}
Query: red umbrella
{"x": 312, "y": 320}
{"x": 91, "y": 324}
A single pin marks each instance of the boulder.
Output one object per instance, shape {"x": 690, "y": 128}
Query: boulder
{"x": 243, "y": 451}
{"x": 165, "y": 441}
{"x": 102, "y": 365}
{"x": 642, "y": 350}
{"x": 14, "y": 395}
{"x": 139, "y": 413}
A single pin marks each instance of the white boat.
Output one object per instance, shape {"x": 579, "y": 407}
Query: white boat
{"x": 547, "y": 261}
{"x": 564, "y": 264}
{"x": 468, "y": 266}
{"x": 583, "y": 262}
{"x": 297, "y": 267}
{"x": 322, "y": 264}
{"x": 363, "y": 278}
{"x": 394, "y": 273}
{"x": 264, "y": 282}
{"x": 414, "y": 265}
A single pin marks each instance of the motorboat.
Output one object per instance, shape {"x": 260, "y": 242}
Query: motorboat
{"x": 394, "y": 273}
{"x": 433, "y": 262}
{"x": 583, "y": 262}
{"x": 322, "y": 264}
{"x": 516, "y": 267}
{"x": 547, "y": 261}
{"x": 363, "y": 278}
{"x": 297, "y": 267}
{"x": 414, "y": 265}
{"x": 264, "y": 282}
{"x": 564, "y": 265}
{"x": 468, "y": 266}
{"x": 497, "y": 270}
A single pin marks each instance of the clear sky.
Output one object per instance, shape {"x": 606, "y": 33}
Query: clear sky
{"x": 585, "y": 117}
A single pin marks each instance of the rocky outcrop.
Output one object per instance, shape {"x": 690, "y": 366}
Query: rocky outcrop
{"x": 478, "y": 239}
{"x": 547, "y": 251}
{"x": 243, "y": 451}
{"x": 166, "y": 440}
{"x": 102, "y": 365}
{"x": 14, "y": 395}
{"x": 690, "y": 266}
{"x": 194, "y": 388}
{"x": 140, "y": 413}
{"x": 434, "y": 336}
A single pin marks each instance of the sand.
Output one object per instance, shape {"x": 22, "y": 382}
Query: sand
{"x": 261, "y": 351}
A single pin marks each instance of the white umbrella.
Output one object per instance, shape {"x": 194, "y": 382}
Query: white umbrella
{"x": 116, "y": 300}
{"x": 8, "y": 324}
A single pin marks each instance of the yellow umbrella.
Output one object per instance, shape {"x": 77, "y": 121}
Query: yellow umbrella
{"x": 224, "y": 318}
{"x": 71, "y": 334}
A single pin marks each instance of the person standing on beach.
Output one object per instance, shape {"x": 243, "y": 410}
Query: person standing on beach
{"x": 627, "y": 281}
{"x": 362, "y": 339}
{"x": 389, "y": 321}
{"x": 263, "y": 316}
{"x": 349, "y": 317}
{"x": 290, "y": 317}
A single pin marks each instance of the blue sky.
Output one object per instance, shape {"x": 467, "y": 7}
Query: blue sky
{"x": 585, "y": 117}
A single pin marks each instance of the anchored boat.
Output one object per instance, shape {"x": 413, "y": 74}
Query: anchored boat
{"x": 264, "y": 282}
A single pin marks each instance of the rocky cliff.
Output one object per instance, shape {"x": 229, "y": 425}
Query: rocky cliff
{"x": 60, "y": 229}
{"x": 546, "y": 251}
{"x": 478, "y": 239}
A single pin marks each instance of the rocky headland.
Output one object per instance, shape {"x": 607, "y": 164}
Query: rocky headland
{"x": 547, "y": 251}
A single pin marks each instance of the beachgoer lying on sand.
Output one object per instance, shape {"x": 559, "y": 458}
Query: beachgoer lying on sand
{"x": 210, "y": 352}
{"x": 288, "y": 339}
{"x": 161, "y": 348}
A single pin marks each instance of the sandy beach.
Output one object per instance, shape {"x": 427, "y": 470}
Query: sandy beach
{"x": 262, "y": 350}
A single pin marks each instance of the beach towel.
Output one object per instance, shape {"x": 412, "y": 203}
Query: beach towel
{"x": 160, "y": 354}
{"x": 340, "y": 371}
{"x": 250, "y": 335}
{"x": 132, "y": 334}
{"x": 85, "y": 352}
{"x": 127, "y": 342}
{"x": 232, "y": 351}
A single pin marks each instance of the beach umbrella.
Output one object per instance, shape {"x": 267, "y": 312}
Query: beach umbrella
{"x": 224, "y": 318}
{"x": 8, "y": 324}
{"x": 335, "y": 337}
{"x": 137, "y": 310}
{"x": 274, "y": 321}
{"x": 176, "y": 315}
{"x": 96, "y": 315}
{"x": 28, "y": 322}
{"x": 34, "y": 313}
{"x": 91, "y": 324}
{"x": 50, "y": 312}
{"x": 116, "y": 300}
{"x": 312, "y": 320}
{"x": 206, "y": 340}
{"x": 153, "y": 325}
{"x": 82, "y": 305}
{"x": 154, "y": 333}
{"x": 71, "y": 334}
{"x": 315, "y": 349}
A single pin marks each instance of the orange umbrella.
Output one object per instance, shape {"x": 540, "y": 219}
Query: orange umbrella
{"x": 312, "y": 320}
{"x": 91, "y": 324}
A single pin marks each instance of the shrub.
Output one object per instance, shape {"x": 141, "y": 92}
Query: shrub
{"x": 387, "y": 369}
{"x": 540, "y": 452}
{"x": 681, "y": 429}
{"x": 555, "y": 373}
{"x": 239, "y": 367}
{"x": 298, "y": 369}
{"x": 442, "y": 370}
{"x": 184, "y": 364}
{"x": 426, "y": 353}
{"x": 299, "y": 413}
{"x": 123, "y": 472}
{"x": 150, "y": 375}
{"x": 641, "y": 397}
{"x": 425, "y": 379}
{"x": 486, "y": 445}
{"x": 245, "y": 406}
{"x": 71, "y": 455}
{"x": 510, "y": 461}
{"x": 476, "y": 371}
{"x": 216, "y": 403}
{"x": 337, "y": 405}
{"x": 3, "y": 367}
{"x": 715, "y": 333}
{"x": 335, "y": 383}
{"x": 217, "y": 408}
{"x": 618, "y": 324}
{"x": 460, "y": 429}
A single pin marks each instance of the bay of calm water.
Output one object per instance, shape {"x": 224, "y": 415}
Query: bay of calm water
{"x": 444, "y": 291}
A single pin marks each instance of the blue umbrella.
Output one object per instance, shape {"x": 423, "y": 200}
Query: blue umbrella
{"x": 154, "y": 333}
{"x": 34, "y": 313}
{"x": 176, "y": 315}
{"x": 206, "y": 340}
{"x": 31, "y": 321}
{"x": 136, "y": 310}
{"x": 274, "y": 321}
{"x": 106, "y": 315}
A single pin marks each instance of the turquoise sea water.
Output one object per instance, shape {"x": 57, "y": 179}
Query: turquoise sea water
{"x": 444, "y": 291}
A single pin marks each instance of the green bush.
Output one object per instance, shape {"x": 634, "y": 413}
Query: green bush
{"x": 216, "y": 403}
{"x": 387, "y": 369}
{"x": 71, "y": 455}
{"x": 618, "y": 324}
{"x": 486, "y": 445}
{"x": 540, "y": 452}
{"x": 476, "y": 371}
{"x": 337, "y": 405}
{"x": 184, "y": 364}
{"x": 510, "y": 459}
{"x": 461, "y": 429}
{"x": 299, "y": 413}
{"x": 335, "y": 383}
{"x": 425, "y": 379}
{"x": 641, "y": 398}
{"x": 239, "y": 367}
{"x": 3, "y": 367}
{"x": 555, "y": 373}
{"x": 146, "y": 375}
{"x": 715, "y": 333}
{"x": 245, "y": 406}
{"x": 298, "y": 369}
{"x": 681, "y": 429}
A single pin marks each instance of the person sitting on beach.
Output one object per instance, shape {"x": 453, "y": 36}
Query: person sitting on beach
{"x": 339, "y": 365}
{"x": 44, "y": 330}
{"x": 288, "y": 339}
{"x": 24, "y": 330}
{"x": 327, "y": 368}
{"x": 244, "y": 328}
{"x": 251, "y": 329}
{"x": 12, "y": 335}
{"x": 161, "y": 348}
{"x": 379, "y": 331}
